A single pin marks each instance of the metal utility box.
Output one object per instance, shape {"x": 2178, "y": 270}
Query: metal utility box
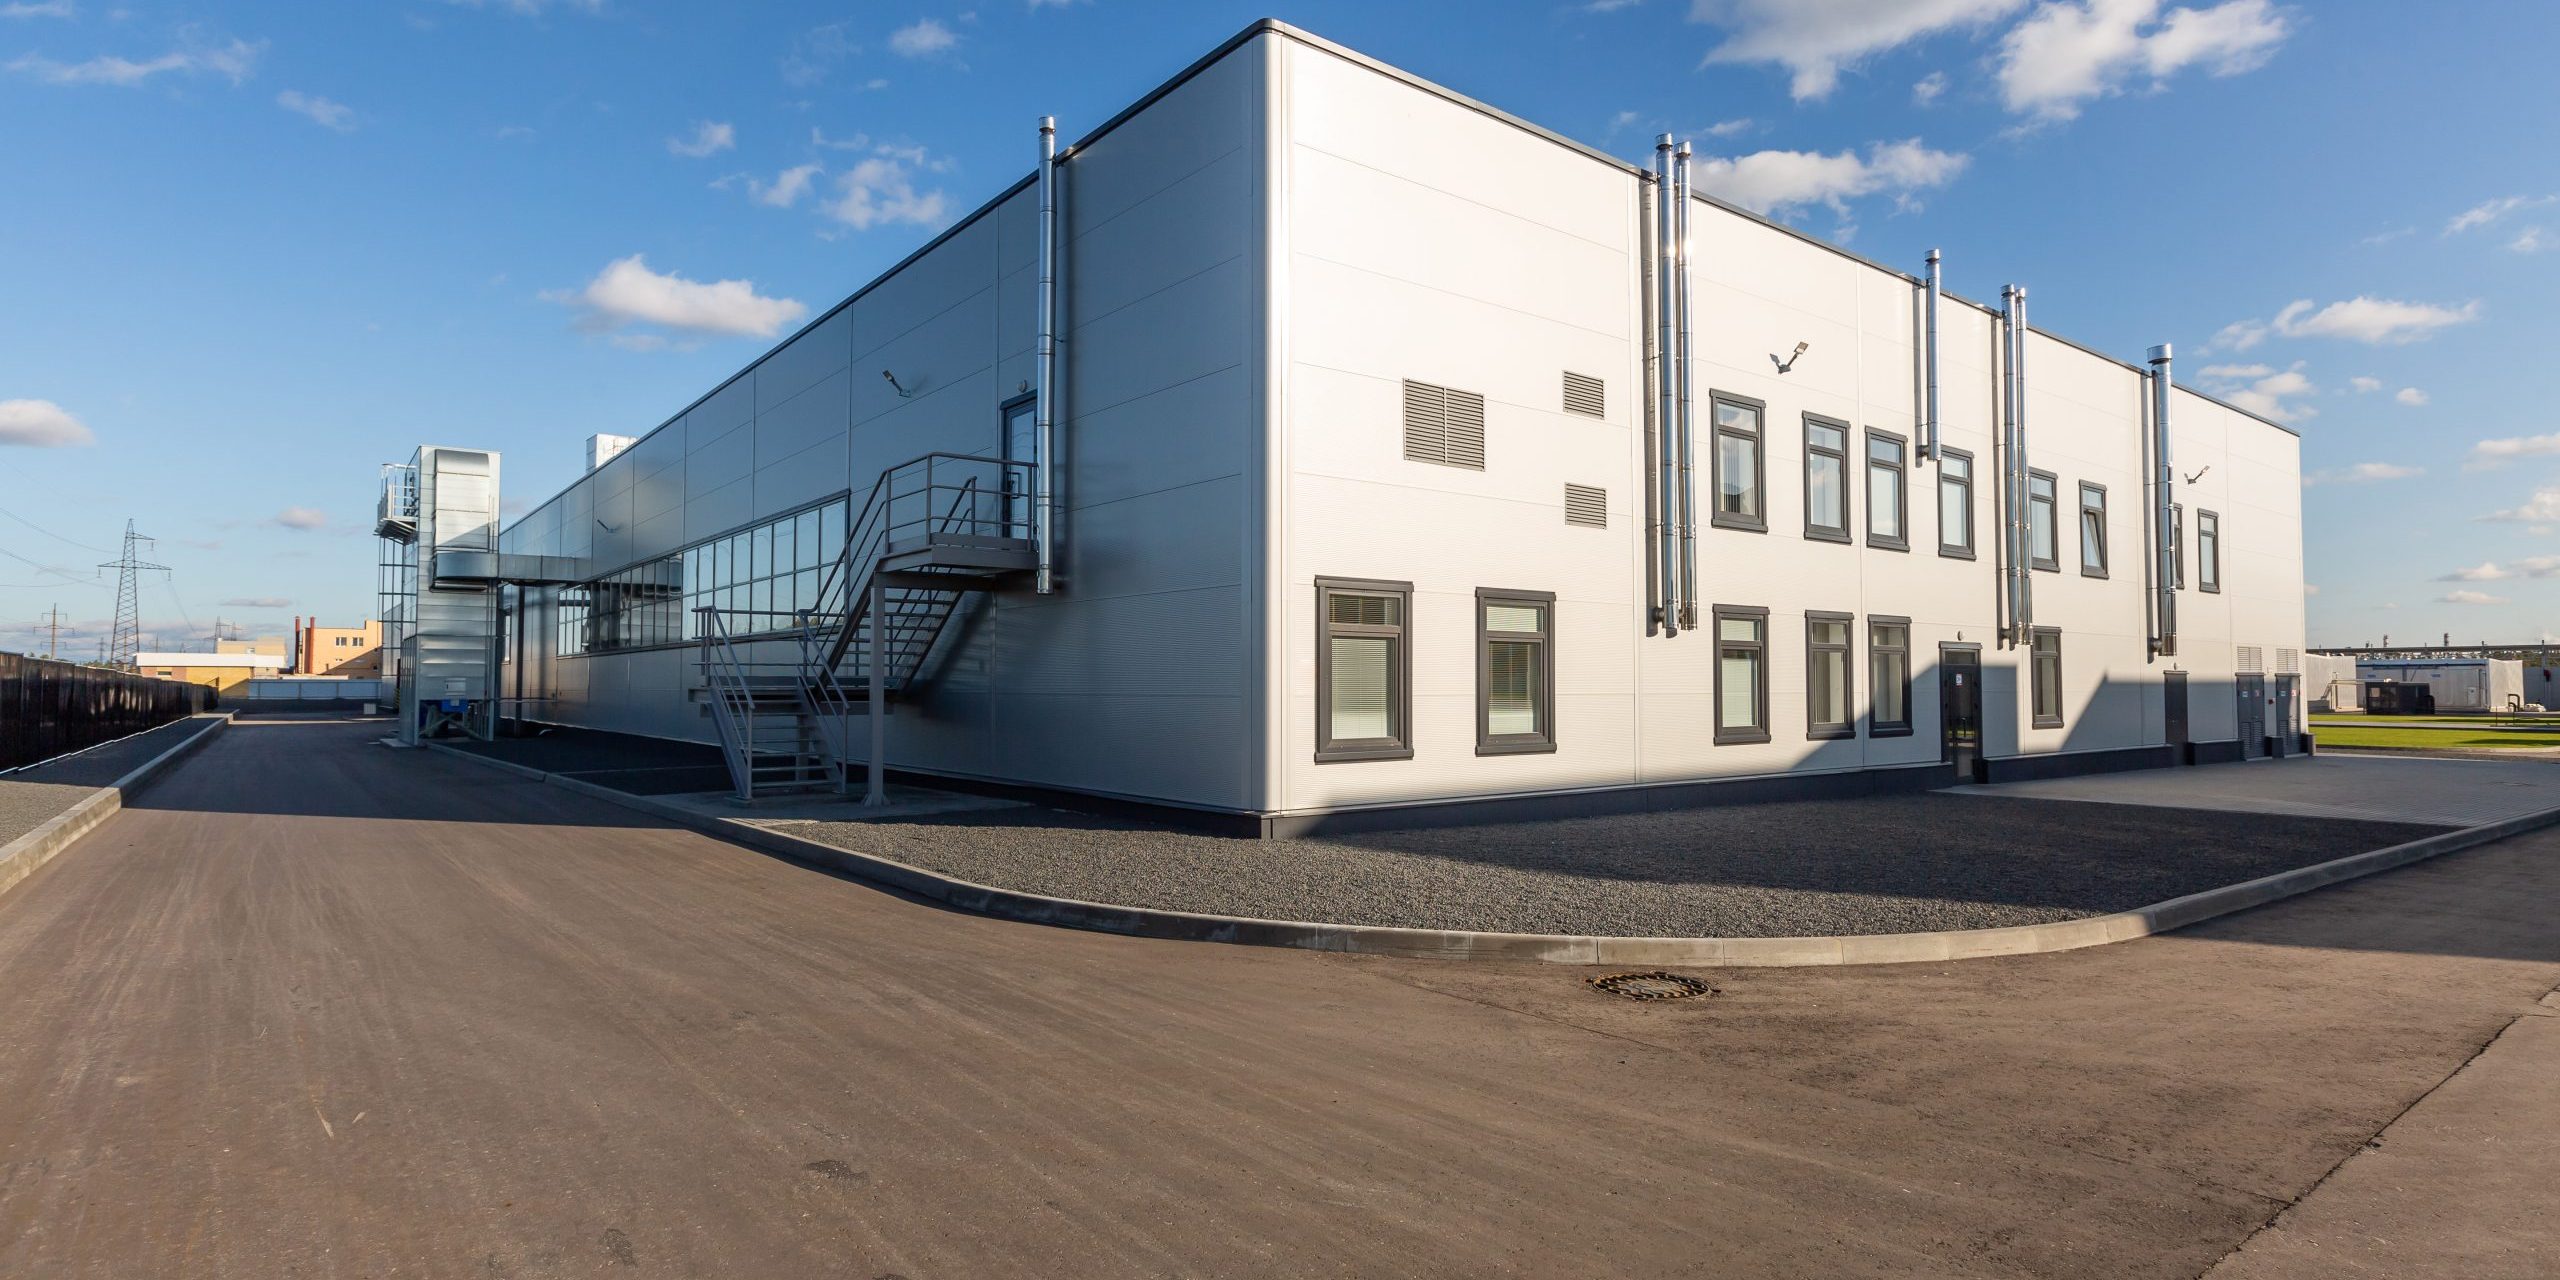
{"x": 2391, "y": 698}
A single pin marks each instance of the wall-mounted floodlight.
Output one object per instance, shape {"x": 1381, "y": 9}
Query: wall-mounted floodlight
{"x": 2199, "y": 475}
{"x": 1788, "y": 365}
{"x": 903, "y": 393}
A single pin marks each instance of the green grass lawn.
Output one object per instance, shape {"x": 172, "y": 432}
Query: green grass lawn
{"x": 2332, "y": 733}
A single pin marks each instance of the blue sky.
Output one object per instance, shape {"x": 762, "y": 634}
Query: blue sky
{"x": 249, "y": 251}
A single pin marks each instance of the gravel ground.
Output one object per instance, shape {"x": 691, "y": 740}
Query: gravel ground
{"x": 39, "y": 794}
{"x": 1887, "y": 864}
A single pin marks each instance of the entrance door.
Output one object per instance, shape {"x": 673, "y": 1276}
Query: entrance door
{"x": 1019, "y": 445}
{"x": 1960, "y": 710}
{"x": 2253, "y": 715}
{"x": 2173, "y": 711}
{"x": 2285, "y": 717}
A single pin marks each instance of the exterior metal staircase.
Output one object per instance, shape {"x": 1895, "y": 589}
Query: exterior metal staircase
{"x": 785, "y": 688}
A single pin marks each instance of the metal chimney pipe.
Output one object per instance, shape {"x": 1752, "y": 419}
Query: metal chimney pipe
{"x": 2026, "y": 504}
{"x": 2164, "y": 498}
{"x": 1044, "y": 423}
{"x": 1688, "y": 432}
{"x": 1667, "y": 379}
{"x": 1931, "y": 435}
{"x": 1649, "y": 200}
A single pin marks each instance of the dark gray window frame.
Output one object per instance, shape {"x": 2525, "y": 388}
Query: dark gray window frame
{"x": 1717, "y": 516}
{"x": 1945, "y": 548}
{"x": 1399, "y": 745}
{"x": 2053, "y": 521}
{"x": 1815, "y": 731}
{"x": 1760, "y": 713}
{"x": 2209, "y": 566}
{"x": 1888, "y": 728}
{"x": 1819, "y": 532}
{"x": 1901, "y": 470}
{"x": 2088, "y": 487}
{"x": 2035, "y": 673}
{"x": 1489, "y": 743}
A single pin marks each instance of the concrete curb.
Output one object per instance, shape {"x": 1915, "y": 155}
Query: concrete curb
{"x": 1461, "y": 944}
{"x": 20, "y": 857}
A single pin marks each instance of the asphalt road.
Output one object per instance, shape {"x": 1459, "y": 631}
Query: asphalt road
{"x": 311, "y": 1007}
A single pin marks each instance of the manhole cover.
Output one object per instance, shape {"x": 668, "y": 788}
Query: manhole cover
{"x": 1651, "y": 986}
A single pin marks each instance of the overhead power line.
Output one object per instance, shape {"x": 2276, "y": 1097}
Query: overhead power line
{"x": 51, "y": 534}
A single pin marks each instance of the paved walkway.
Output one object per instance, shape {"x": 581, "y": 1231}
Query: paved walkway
{"x": 2463, "y": 793}
{"x": 37, "y": 794}
{"x": 318, "y": 1008}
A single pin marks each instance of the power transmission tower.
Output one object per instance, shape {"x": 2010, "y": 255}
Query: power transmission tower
{"x": 53, "y": 632}
{"x": 125, "y": 640}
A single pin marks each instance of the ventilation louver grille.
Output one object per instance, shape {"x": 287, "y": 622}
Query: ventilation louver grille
{"x": 2249, "y": 658}
{"x": 1585, "y": 395}
{"x": 1586, "y": 505}
{"x": 2288, "y": 662}
{"x": 1443, "y": 425}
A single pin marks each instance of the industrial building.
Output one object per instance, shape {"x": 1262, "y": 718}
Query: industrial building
{"x": 1310, "y": 443}
{"x": 216, "y": 671}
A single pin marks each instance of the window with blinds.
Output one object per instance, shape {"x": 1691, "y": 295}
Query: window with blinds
{"x": 1585, "y": 395}
{"x": 1363, "y": 670}
{"x": 1443, "y": 425}
{"x": 1586, "y": 505}
{"x": 1515, "y": 672}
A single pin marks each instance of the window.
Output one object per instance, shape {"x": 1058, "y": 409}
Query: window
{"x": 2178, "y": 545}
{"x": 2042, "y": 495}
{"x": 1826, "y": 676}
{"x": 1021, "y": 441}
{"x": 1889, "y": 676}
{"x": 1885, "y": 500}
{"x": 1826, "y": 479}
{"x": 1364, "y": 670}
{"x": 1443, "y": 425}
{"x": 1739, "y": 477}
{"x": 2208, "y": 551}
{"x": 759, "y": 577}
{"x": 1742, "y": 663}
{"x": 2093, "y": 530}
{"x": 1515, "y": 672}
{"x": 1955, "y": 504}
{"x": 2045, "y": 657}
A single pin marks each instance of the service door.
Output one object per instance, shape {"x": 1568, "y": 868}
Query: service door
{"x": 2253, "y": 715}
{"x": 2173, "y": 709}
{"x": 1960, "y": 710}
{"x": 2286, "y": 714}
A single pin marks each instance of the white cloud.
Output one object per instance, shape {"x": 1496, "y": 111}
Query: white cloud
{"x": 707, "y": 138}
{"x": 2542, "y": 508}
{"x": 41, "y": 424}
{"x": 255, "y": 602}
{"x": 2064, "y": 54}
{"x": 531, "y": 8}
{"x": 2488, "y": 211}
{"x": 1929, "y": 88}
{"x": 2485, "y": 571}
{"x": 2410, "y": 396}
{"x": 2239, "y": 335}
{"x": 1728, "y": 128}
{"x": 513, "y": 132}
{"x": 924, "y": 39}
{"x": 2386, "y": 237}
{"x": 1590, "y": 6}
{"x": 2371, "y": 320}
{"x": 881, "y": 189}
{"x": 2528, "y": 240}
{"x": 627, "y": 292}
{"x": 815, "y": 53}
{"x": 2498, "y": 453}
{"x": 323, "y": 112}
{"x": 304, "y": 518}
{"x": 2364, "y": 385}
{"x": 234, "y": 60}
{"x": 2470, "y": 597}
{"x": 786, "y": 188}
{"x": 2362, "y": 473}
{"x": 2267, "y": 392}
{"x": 1775, "y": 181}
{"x": 1817, "y": 39}
{"x": 47, "y": 9}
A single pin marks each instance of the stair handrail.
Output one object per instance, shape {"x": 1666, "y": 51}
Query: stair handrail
{"x": 723, "y": 676}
